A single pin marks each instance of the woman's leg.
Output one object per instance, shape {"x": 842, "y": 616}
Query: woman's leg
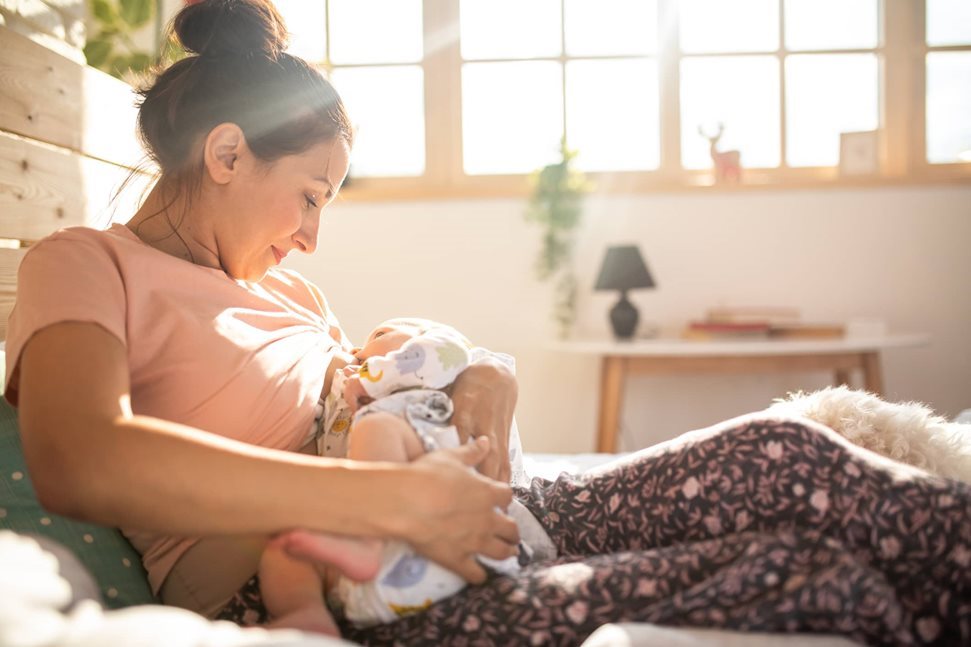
{"x": 767, "y": 475}
{"x": 750, "y": 581}
{"x": 755, "y": 524}
{"x": 207, "y": 576}
{"x": 786, "y": 582}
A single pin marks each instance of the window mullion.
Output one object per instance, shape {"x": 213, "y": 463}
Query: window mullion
{"x": 669, "y": 74}
{"x": 902, "y": 86}
{"x": 782, "y": 54}
{"x": 442, "y": 66}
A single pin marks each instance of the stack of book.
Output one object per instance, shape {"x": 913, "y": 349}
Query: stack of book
{"x": 758, "y": 323}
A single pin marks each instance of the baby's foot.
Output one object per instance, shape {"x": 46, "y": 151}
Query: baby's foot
{"x": 313, "y": 618}
{"x": 357, "y": 559}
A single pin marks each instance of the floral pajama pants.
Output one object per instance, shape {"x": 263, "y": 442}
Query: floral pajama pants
{"x": 766, "y": 524}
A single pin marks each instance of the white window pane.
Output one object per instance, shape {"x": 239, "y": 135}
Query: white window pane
{"x": 307, "y": 24}
{"x": 948, "y": 22}
{"x": 729, "y": 25}
{"x": 831, "y": 24}
{"x": 510, "y": 28}
{"x": 375, "y": 31}
{"x": 742, "y": 94}
{"x": 512, "y": 116}
{"x": 610, "y": 27}
{"x": 612, "y": 114}
{"x": 949, "y": 107}
{"x": 387, "y": 108}
{"x": 828, "y": 94}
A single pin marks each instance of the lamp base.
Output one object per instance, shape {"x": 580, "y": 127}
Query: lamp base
{"x": 623, "y": 318}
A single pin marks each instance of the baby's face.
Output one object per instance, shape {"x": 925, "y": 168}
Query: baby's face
{"x": 385, "y": 339}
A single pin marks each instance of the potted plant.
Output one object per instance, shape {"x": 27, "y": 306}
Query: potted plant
{"x": 556, "y": 205}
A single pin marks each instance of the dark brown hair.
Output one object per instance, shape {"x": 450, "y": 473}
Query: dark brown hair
{"x": 237, "y": 72}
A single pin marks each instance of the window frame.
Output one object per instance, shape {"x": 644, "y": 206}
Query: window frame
{"x": 901, "y": 51}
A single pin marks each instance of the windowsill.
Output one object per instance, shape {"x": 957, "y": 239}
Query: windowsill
{"x": 518, "y": 186}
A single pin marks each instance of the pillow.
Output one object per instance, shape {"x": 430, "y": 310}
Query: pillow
{"x": 115, "y": 565}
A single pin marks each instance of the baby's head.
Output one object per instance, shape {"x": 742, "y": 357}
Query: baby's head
{"x": 392, "y": 334}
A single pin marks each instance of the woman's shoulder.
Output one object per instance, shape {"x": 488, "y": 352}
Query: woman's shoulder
{"x": 293, "y": 285}
{"x": 81, "y": 240}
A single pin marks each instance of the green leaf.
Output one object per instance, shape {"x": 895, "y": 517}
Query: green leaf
{"x": 118, "y": 65}
{"x": 104, "y": 12}
{"x": 137, "y": 12}
{"x": 96, "y": 51}
{"x": 139, "y": 62}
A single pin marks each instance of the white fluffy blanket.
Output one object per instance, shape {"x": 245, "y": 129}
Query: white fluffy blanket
{"x": 32, "y": 594}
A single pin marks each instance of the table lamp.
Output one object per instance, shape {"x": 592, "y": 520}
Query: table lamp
{"x": 623, "y": 269}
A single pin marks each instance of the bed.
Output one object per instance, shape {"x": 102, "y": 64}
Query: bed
{"x": 60, "y": 160}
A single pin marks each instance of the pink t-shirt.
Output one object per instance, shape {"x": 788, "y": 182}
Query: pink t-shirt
{"x": 242, "y": 360}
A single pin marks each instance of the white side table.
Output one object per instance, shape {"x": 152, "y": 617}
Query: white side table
{"x": 679, "y": 356}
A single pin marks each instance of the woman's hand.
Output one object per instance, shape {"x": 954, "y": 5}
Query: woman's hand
{"x": 453, "y": 513}
{"x": 485, "y": 396}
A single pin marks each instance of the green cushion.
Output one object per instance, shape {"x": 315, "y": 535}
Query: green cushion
{"x": 104, "y": 551}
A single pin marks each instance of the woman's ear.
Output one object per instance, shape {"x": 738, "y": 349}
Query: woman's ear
{"x": 224, "y": 145}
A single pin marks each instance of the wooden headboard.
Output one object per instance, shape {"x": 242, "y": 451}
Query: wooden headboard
{"x": 67, "y": 142}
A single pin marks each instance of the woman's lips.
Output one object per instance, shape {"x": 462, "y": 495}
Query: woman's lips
{"x": 278, "y": 254}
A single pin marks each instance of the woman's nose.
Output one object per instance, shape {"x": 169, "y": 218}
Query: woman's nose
{"x": 306, "y": 236}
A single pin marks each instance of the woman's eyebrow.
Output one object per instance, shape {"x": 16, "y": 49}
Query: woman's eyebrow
{"x": 325, "y": 181}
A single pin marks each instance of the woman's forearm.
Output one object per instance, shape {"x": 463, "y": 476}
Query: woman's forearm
{"x": 182, "y": 481}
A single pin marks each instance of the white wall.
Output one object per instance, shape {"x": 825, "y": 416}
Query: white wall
{"x": 901, "y": 254}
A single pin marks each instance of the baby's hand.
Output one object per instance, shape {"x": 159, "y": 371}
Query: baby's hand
{"x": 354, "y": 393}
{"x": 351, "y": 369}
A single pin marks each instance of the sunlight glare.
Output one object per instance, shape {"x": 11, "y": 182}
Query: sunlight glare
{"x": 710, "y": 26}
{"x": 612, "y": 114}
{"x": 306, "y": 22}
{"x": 387, "y": 142}
{"x": 512, "y": 116}
{"x": 358, "y": 36}
{"x": 948, "y": 106}
{"x": 828, "y": 94}
{"x": 510, "y": 28}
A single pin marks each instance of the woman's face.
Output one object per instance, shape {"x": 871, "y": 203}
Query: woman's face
{"x": 272, "y": 210}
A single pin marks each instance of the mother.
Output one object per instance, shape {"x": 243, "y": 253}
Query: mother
{"x": 166, "y": 372}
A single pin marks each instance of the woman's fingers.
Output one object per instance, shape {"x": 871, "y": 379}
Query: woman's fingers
{"x": 484, "y": 397}
{"x": 457, "y": 511}
{"x": 499, "y": 549}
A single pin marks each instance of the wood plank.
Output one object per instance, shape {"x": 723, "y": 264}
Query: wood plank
{"x": 59, "y": 101}
{"x": 9, "y": 262}
{"x": 747, "y": 363}
{"x": 44, "y": 188}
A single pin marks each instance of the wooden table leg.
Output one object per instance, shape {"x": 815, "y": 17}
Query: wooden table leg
{"x": 843, "y": 377}
{"x": 611, "y": 393}
{"x": 872, "y": 375}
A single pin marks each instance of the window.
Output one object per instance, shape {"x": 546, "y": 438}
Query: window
{"x": 948, "y": 78}
{"x": 372, "y": 51}
{"x": 464, "y": 97}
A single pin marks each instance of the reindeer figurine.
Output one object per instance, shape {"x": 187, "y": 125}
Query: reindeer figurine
{"x": 728, "y": 164}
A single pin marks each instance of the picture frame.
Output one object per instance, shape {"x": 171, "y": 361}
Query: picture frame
{"x": 859, "y": 153}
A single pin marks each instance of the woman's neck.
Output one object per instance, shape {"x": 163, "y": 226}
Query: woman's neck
{"x": 170, "y": 224}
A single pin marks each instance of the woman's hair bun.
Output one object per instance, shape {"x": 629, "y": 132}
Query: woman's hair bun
{"x": 231, "y": 27}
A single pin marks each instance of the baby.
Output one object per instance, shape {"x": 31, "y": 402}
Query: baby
{"x": 388, "y": 408}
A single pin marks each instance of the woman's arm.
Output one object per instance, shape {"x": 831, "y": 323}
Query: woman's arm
{"x": 90, "y": 457}
{"x": 484, "y": 396}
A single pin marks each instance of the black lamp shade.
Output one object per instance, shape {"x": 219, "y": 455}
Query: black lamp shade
{"x": 624, "y": 269}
